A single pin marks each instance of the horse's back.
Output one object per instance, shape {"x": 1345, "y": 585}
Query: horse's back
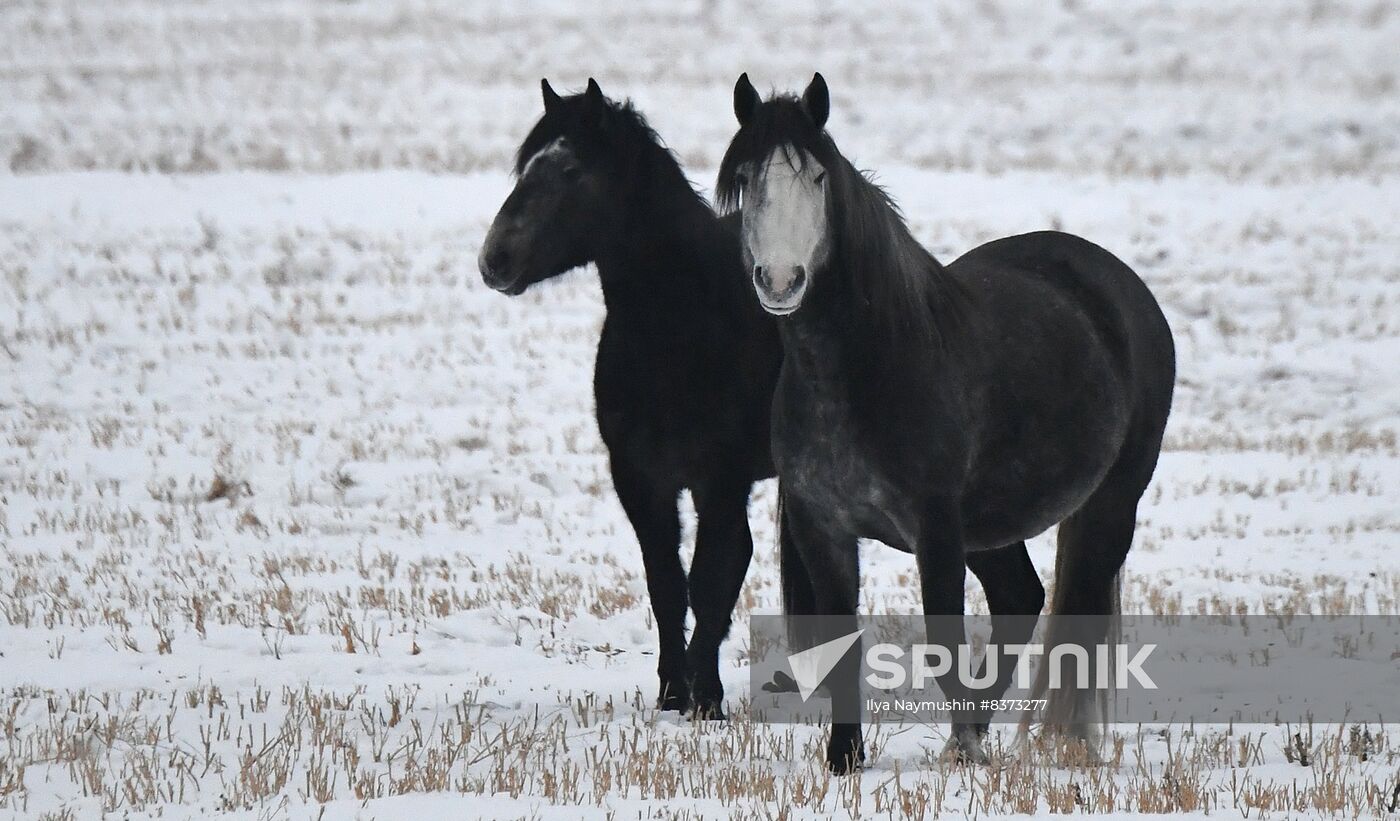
{"x": 1113, "y": 298}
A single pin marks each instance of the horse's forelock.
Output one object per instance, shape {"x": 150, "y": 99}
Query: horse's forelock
{"x": 614, "y": 129}
{"x": 777, "y": 124}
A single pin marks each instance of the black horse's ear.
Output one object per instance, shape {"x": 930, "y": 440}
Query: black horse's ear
{"x": 551, "y": 99}
{"x": 595, "y": 107}
{"x": 746, "y": 99}
{"x": 594, "y": 94}
{"x": 816, "y": 100}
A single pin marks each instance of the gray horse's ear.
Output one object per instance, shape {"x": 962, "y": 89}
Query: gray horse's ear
{"x": 816, "y": 100}
{"x": 551, "y": 99}
{"x": 746, "y": 99}
{"x": 594, "y": 94}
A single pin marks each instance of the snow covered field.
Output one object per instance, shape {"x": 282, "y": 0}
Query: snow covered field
{"x": 297, "y": 518}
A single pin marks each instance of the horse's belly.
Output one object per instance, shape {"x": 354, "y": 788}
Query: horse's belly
{"x": 990, "y": 522}
{"x": 1019, "y": 492}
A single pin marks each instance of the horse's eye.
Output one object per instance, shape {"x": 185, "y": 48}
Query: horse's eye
{"x": 573, "y": 172}
{"x": 821, "y": 177}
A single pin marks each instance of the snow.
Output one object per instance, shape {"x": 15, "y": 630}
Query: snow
{"x": 259, "y": 416}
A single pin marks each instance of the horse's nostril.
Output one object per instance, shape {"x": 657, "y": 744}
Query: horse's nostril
{"x": 496, "y": 260}
{"x": 799, "y": 276}
{"x": 760, "y": 277}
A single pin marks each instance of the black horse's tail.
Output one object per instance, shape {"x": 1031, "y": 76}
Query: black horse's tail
{"x": 1070, "y": 711}
{"x": 788, "y": 560}
{"x": 796, "y": 584}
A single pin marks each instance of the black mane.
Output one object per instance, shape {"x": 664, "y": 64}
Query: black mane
{"x": 615, "y": 136}
{"x": 899, "y": 287}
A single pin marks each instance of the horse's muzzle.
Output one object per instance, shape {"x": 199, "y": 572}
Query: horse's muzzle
{"x": 780, "y": 294}
{"x": 494, "y": 264}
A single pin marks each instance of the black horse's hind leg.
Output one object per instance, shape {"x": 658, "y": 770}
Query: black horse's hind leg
{"x": 831, "y": 563}
{"x": 1015, "y": 597}
{"x": 723, "y": 548}
{"x": 654, "y": 516}
{"x": 1093, "y": 544}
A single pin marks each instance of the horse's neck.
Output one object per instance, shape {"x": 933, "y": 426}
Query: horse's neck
{"x": 816, "y": 338}
{"x": 659, "y": 261}
{"x": 835, "y": 351}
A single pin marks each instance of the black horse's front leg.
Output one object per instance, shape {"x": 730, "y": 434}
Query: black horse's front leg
{"x": 940, "y": 553}
{"x": 723, "y": 548}
{"x": 832, "y": 564}
{"x": 652, "y": 510}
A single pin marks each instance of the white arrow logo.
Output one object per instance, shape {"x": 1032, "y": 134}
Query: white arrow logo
{"x": 810, "y": 667}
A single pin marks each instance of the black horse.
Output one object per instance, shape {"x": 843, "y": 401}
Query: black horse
{"x": 950, "y": 411}
{"x": 686, "y": 363}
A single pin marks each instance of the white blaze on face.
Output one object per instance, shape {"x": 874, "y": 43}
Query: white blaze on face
{"x": 785, "y": 227}
{"x": 508, "y": 221}
{"x": 558, "y": 148}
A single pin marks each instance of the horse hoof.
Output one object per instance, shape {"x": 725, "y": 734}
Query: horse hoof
{"x": 846, "y": 764}
{"x": 845, "y": 758}
{"x": 672, "y": 700}
{"x": 708, "y": 711}
{"x": 965, "y": 747}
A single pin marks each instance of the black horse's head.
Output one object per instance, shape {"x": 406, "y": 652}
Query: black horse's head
{"x": 550, "y": 222}
{"x": 777, "y": 167}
